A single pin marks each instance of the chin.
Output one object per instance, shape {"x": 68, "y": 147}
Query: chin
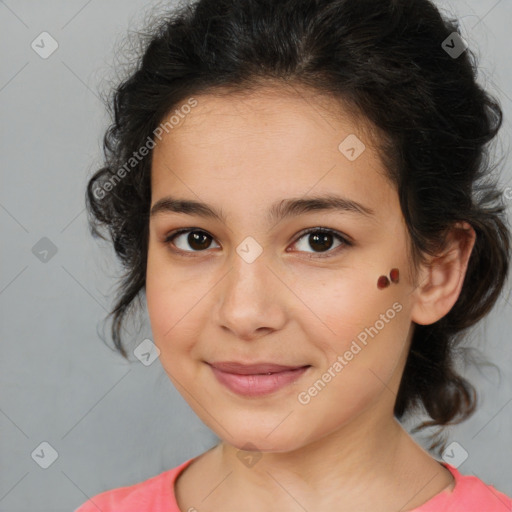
{"x": 259, "y": 440}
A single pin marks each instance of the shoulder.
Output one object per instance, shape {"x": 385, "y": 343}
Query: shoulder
{"x": 470, "y": 494}
{"x": 474, "y": 494}
{"x": 152, "y": 495}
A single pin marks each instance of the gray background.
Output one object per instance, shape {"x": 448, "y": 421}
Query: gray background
{"x": 111, "y": 422}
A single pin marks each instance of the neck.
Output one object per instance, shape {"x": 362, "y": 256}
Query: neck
{"x": 348, "y": 455}
{"x": 354, "y": 464}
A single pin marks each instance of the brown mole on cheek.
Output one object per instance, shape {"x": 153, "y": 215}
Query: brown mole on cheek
{"x": 382, "y": 282}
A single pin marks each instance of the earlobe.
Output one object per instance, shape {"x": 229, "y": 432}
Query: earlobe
{"x": 441, "y": 281}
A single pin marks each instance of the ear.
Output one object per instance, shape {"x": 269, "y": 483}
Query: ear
{"x": 440, "y": 280}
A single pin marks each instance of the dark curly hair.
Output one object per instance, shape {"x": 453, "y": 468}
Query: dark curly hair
{"x": 385, "y": 60}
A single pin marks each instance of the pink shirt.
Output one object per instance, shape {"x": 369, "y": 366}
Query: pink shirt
{"x": 157, "y": 495}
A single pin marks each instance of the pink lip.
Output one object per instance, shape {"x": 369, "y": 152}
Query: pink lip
{"x": 253, "y": 380}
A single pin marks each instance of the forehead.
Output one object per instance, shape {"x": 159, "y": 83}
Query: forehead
{"x": 268, "y": 144}
{"x": 270, "y": 107}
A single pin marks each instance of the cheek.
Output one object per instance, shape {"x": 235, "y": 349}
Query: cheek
{"x": 361, "y": 351}
{"x": 352, "y": 307}
{"x": 170, "y": 301}
{"x": 362, "y": 340}
{"x": 172, "y": 327}
{"x": 177, "y": 309}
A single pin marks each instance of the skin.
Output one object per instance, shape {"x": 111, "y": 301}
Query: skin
{"x": 343, "y": 450}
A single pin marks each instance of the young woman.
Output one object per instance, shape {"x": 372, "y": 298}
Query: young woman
{"x": 300, "y": 191}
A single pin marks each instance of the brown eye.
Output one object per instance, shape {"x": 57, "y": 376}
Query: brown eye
{"x": 322, "y": 240}
{"x": 197, "y": 240}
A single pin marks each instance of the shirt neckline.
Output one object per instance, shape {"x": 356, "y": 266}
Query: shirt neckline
{"x": 437, "y": 499}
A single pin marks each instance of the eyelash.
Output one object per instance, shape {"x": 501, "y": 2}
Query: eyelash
{"x": 345, "y": 242}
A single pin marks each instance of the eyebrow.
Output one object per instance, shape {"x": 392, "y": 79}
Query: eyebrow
{"x": 278, "y": 211}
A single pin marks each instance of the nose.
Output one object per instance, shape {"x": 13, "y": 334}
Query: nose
{"x": 252, "y": 299}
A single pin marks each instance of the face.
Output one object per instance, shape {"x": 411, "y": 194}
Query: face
{"x": 252, "y": 286}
